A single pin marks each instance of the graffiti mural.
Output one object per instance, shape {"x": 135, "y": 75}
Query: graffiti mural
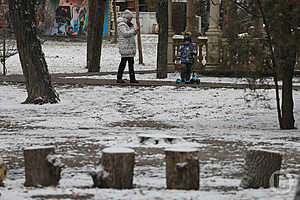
{"x": 4, "y": 17}
{"x": 61, "y": 17}
{"x": 69, "y": 17}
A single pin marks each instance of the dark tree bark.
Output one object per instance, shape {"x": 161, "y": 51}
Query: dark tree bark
{"x": 34, "y": 66}
{"x": 297, "y": 195}
{"x": 41, "y": 167}
{"x": 2, "y": 172}
{"x": 115, "y": 170}
{"x": 182, "y": 169}
{"x": 162, "y": 47}
{"x": 287, "y": 59}
{"x": 259, "y": 168}
{"x": 95, "y": 34}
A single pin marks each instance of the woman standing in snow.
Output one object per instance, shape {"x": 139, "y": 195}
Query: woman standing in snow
{"x": 127, "y": 46}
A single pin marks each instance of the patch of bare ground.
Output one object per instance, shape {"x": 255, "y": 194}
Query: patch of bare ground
{"x": 143, "y": 123}
{"x": 64, "y": 196}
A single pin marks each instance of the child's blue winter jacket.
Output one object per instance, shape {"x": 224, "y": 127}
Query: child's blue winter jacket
{"x": 186, "y": 53}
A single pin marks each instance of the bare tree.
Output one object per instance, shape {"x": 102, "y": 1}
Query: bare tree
{"x": 281, "y": 20}
{"x": 95, "y": 34}
{"x": 37, "y": 78}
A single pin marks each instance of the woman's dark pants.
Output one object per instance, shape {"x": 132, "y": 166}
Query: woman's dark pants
{"x": 122, "y": 66}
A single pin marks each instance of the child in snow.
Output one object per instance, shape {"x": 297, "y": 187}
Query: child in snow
{"x": 186, "y": 54}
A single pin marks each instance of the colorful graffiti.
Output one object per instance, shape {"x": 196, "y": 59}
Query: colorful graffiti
{"x": 4, "y": 17}
{"x": 69, "y": 17}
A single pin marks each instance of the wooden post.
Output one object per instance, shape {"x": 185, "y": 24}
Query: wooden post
{"x": 115, "y": 169}
{"x": 137, "y": 16}
{"x": 171, "y": 64}
{"x": 4, "y": 56}
{"x": 42, "y": 168}
{"x": 115, "y": 22}
{"x": 182, "y": 168}
{"x": 2, "y": 172}
{"x": 259, "y": 169}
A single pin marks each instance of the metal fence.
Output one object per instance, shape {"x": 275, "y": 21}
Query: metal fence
{"x": 8, "y": 45}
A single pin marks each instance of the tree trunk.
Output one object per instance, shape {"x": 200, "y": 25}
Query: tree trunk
{"x": 287, "y": 60}
{"x": 41, "y": 167}
{"x": 95, "y": 34}
{"x": 34, "y": 66}
{"x": 182, "y": 169}
{"x": 2, "y": 173}
{"x": 297, "y": 195}
{"x": 115, "y": 169}
{"x": 259, "y": 169}
{"x": 162, "y": 50}
{"x": 287, "y": 106}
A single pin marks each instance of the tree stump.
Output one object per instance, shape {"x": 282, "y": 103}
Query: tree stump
{"x": 2, "y": 172}
{"x": 42, "y": 166}
{"x": 115, "y": 169}
{"x": 259, "y": 169}
{"x": 182, "y": 168}
{"x": 297, "y": 195}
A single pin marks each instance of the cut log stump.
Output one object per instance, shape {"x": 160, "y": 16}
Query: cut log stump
{"x": 182, "y": 168}
{"x": 42, "y": 166}
{"x": 259, "y": 169}
{"x": 2, "y": 172}
{"x": 115, "y": 169}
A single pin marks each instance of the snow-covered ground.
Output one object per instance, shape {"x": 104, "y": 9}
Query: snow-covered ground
{"x": 221, "y": 123}
{"x": 67, "y": 57}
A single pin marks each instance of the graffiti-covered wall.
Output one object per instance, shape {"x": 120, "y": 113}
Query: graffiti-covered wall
{"x": 67, "y": 17}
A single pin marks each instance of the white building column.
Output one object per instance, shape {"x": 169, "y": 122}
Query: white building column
{"x": 214, "y": 35}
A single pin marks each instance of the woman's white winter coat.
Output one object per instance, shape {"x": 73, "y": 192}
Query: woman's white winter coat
{"x": 126, "y": 38}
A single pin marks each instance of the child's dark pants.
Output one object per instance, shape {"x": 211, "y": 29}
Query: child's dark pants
{"x": 186, "y": 70}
